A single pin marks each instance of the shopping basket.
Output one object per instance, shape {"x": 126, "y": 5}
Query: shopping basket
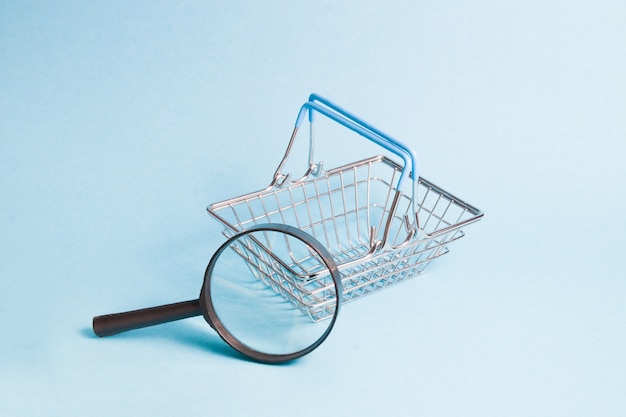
{"x": 380, "y": 220}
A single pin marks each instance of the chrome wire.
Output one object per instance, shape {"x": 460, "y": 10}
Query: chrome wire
{"x": 351, "y": 209}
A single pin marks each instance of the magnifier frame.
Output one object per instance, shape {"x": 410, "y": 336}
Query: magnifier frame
{"x": 208, "y": 308}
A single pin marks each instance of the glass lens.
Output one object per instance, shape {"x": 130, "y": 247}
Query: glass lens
{"x": 271, "y": 292}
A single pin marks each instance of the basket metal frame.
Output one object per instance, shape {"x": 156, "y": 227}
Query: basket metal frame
{"x": 377, "y": 234}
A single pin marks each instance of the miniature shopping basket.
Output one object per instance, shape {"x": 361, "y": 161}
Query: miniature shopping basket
{"x": 378, "y": 234}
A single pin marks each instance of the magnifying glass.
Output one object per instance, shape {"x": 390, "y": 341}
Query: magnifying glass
{"x": 272, "y": 292}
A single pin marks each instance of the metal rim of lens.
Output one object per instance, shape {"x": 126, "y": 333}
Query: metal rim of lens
{"x": 210, "y": 315}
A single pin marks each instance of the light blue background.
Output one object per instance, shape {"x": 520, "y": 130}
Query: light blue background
{"x": 120, "y": 122}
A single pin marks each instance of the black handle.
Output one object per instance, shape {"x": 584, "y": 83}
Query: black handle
{"x": 110, "y": 324}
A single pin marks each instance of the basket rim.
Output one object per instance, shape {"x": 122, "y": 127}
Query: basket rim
{"x": 475, "y": 213}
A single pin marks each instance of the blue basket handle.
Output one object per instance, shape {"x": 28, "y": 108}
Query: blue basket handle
{"x": 321, "y": 105}
{"x": 316, "y": 97}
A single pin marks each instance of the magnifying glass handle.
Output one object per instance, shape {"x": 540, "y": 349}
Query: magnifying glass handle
{"x": 110, "y": 324}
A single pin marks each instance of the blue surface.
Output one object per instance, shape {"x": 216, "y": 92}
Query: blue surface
{"x": 119, "y": 123}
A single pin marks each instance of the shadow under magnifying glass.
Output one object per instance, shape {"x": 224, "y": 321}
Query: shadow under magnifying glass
{"x": 182, "y": 333}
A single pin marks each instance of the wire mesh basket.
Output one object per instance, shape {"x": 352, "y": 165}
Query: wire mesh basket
{"x": 378, "y": 232}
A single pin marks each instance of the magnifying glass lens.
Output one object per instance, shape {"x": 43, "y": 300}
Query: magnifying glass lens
{"x": 272, "y": 293}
